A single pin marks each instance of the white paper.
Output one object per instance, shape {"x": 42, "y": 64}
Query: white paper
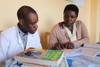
{"x": 94, "y": 65}
{"x": 72, "y": 52}
{"x": 97, "y": 46}
{"x": 90, "y": 52}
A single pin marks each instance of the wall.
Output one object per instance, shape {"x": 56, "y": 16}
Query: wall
{"x": 98, "y": 22}
{"x": 93, "y": 20}
{"x": 50, "y": 12}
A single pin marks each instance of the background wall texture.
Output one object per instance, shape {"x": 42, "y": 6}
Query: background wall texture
{"x": 50, "y": 13}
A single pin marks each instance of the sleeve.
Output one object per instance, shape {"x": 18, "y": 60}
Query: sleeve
{"x": 53, "y": 37}
{"x": 38, "y": 40}
{"x": 84, "y": 35}
{"x": 3, "y": 48}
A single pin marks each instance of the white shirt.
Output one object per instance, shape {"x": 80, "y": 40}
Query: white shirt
{"x": 23, "y": 37}
{"x": 11, "y": 44}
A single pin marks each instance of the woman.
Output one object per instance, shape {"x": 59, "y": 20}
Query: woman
{"x": 70, "y": 32}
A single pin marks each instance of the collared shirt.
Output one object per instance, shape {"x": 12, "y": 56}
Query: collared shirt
{"x": 14, "y": 45}
{"x": 23, "y": 37}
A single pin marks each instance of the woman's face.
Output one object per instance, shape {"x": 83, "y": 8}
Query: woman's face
{"x": 69, "y": 18}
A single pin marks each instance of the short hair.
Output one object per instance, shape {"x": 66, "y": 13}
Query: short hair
{"x": 72, "y": 7}
{"x": 24, "y": 11}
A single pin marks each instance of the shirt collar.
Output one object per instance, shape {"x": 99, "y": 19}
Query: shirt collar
{"x": 20, "y": 32}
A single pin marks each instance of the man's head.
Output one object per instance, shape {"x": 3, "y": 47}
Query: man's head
{"x": 70, "y": 14}
{"x": 28, "y": 19}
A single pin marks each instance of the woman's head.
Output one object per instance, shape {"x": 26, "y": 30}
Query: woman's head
{"x": 70, "y": 14}
{"x": 72, "y": 7}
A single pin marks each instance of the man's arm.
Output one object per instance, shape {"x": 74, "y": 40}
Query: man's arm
{"x": 3, "y": 48}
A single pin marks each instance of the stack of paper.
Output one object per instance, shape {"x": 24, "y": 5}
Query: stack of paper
{"x": 88, "y": 50}
{"x": 72, "y": 52}
{"x": 97, "y": 46}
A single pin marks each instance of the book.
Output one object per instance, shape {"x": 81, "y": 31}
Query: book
{"x": 69, "y": 62}
{"x": 24, "y": 64}
{"x": 62, "y": 64}
{"x": 40, "y": 56}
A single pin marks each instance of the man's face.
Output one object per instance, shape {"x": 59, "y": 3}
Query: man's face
{"x": 30, "y": 23}
{"x": 69, "y": 18}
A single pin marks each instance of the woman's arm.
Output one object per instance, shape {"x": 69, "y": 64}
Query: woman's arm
{"x": 84, "y": 35}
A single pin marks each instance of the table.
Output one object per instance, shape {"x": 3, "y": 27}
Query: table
{"x": 82, "y": 61}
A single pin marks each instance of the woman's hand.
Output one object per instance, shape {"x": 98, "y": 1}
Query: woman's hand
{"x": 69, "y": 45}
{"x": 60, "y": 46}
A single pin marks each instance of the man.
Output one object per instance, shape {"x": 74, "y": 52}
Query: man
{"x": 20, "y": 37}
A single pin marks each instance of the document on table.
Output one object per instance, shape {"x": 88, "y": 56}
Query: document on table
{"x": 72, "y": 52}
{"x": 97, "y": 46}
{"x": 85, "y": 51}
{"x": 90, "y": 52}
